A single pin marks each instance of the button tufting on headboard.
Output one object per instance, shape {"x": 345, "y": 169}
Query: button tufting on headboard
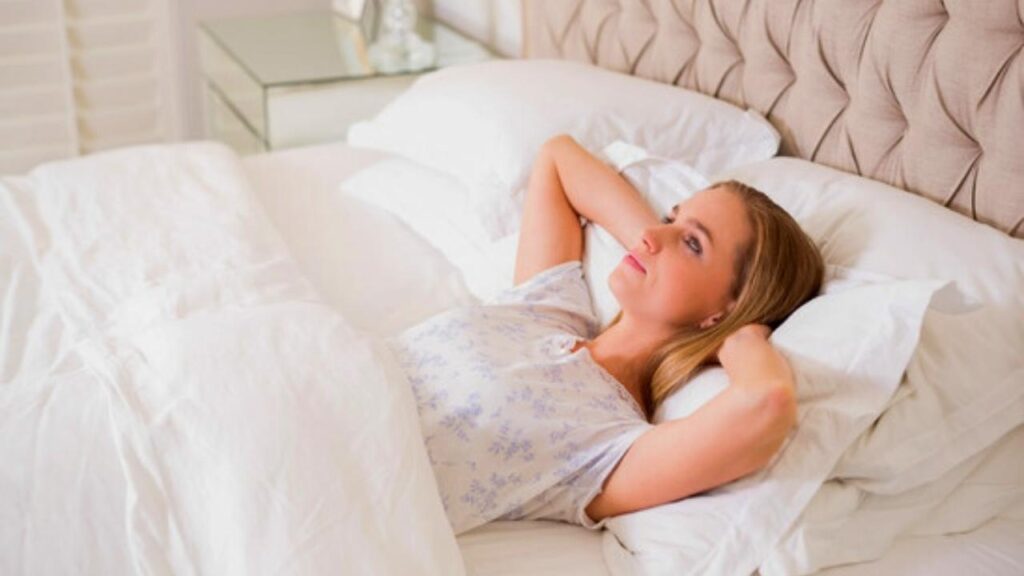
{"x": 926, "y": 95}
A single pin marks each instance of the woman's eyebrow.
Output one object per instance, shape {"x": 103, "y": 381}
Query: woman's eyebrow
{"x": 696, "y": 223}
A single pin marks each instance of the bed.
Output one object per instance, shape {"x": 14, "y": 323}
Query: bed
{"x": 292, "y": 183}
{"x": 164, "y": 406}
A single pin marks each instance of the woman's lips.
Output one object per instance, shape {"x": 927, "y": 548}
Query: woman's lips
{"x": 632, "y": 261}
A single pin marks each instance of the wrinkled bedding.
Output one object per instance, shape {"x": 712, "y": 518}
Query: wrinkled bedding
{"x": 175, "y": 397}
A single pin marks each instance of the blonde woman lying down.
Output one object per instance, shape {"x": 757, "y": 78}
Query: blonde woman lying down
{"x": 529, "y": 411}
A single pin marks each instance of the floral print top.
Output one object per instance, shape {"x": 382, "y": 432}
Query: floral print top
{"x": 517, "y": 426}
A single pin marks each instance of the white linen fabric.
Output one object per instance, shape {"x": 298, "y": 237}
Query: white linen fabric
{"x": 174, "y": 390}
{"x": 847, "y": 348}
{"x": 440, "y": 209}
{"x": 485, "y": 123}
{"x": 517, "y": 425}
{"x": 844, "y": 525}
{"x": 362, "y": 262}
{"x": 961, "y": 392}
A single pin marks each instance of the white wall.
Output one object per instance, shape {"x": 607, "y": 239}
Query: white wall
{"x": 495, "y": 23}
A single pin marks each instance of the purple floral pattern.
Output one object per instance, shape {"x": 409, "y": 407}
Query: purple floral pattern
{"x": 516, "y": 425}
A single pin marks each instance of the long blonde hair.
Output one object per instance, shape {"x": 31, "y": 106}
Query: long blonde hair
{"x": 780, "y": 269}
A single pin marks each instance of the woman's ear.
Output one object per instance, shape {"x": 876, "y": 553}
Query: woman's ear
{"x": 711, "y": 321}
{"x": 717, "y": 317}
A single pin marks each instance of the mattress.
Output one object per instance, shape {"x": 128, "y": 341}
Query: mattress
{"x": 339, "y": 243}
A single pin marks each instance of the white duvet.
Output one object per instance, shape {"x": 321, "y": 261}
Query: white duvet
{"x": 175, "y": 398}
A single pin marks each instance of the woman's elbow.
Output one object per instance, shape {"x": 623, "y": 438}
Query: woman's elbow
{"x": 779, "y": 411}
{"x": 781, "y": 403}
{"x": 556, "y": 142}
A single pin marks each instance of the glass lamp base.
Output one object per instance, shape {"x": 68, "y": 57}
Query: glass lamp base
{"x": 401, "y": 53}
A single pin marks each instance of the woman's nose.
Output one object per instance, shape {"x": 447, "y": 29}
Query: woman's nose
{"x": 650, "y": 242}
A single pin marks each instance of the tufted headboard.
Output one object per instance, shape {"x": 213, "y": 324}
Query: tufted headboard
{"x": 926, "y": 95}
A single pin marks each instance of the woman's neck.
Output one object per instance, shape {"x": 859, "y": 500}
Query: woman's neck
{"x": 623, "y": 351}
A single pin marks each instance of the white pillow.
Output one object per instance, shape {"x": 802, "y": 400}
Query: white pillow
{"x": 485, "y": 123}
{"x": 336, "y": 238}
{"x": 848, "y": 348}
{"x": 962, "y": 390}
{"x": 434, "y": 205}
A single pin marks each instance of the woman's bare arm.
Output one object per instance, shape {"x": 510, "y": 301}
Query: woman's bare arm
{"x": 734, "y": 434}
{"x": 568, "y": 182}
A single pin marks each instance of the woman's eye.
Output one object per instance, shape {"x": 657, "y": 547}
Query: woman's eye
{"x": 694, "y": 244}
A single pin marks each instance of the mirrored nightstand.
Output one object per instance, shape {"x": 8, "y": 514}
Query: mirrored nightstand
{"x": 297, "y": 79}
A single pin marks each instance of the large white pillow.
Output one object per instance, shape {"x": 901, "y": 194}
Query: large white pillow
{"x": 485, "y": 123}
{"x": 440, "y": 209}
{"x": 963, "y": 390}
{"x": 336, "y": 238}
{"x": 848, "y": 348}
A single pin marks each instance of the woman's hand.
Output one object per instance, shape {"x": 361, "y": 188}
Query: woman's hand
{"x": 740, "y": 339}
{"x": 753, "y": 364}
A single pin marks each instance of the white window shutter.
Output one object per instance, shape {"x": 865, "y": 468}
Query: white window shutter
{"x": 77, "y": 76}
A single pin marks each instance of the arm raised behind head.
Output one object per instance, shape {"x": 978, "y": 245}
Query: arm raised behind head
{"x": 567, "y": 182}
{"x": 734, "y": 434}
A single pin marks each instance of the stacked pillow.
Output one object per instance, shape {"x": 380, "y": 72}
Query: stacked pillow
{"x": 961, "y": 398}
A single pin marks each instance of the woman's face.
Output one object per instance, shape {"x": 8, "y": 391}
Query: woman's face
{"x": 680, "y": 272}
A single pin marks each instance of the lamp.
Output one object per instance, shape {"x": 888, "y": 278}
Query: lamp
{"x": 397, "y": 47}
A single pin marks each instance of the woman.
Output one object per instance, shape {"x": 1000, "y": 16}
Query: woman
{"x": 528, "y": 411}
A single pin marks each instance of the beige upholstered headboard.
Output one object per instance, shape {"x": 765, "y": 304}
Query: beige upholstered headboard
{"x": 926, "y": 95}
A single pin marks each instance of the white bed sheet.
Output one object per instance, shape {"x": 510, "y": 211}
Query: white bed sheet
{"x": 151, "y": 316}
{"x": 384, "y": 278}
{"x": 549, "y": 548}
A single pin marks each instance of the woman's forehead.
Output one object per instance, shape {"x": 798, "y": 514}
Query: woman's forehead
{"x": 716, "y": 209}
{"x": 707, "y": 198}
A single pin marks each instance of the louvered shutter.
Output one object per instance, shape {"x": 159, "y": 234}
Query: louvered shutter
{"x": 77, "y": 76}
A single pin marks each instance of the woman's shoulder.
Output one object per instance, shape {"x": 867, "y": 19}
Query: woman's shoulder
{"x": 563, "y": 271}
{"x": 565, "y": 278}
{"x": 559, "y": 290}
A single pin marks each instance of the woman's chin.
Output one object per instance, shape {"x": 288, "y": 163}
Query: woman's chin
{"x": 617, "y": 283}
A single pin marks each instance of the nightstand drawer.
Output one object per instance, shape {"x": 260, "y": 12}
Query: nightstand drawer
{"x": 226, "y": 126}
{"x": 306, "y": 115}
{"x": 232, "y": 82}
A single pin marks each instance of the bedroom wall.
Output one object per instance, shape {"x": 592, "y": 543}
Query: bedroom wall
{"x": 496, "y": 23}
